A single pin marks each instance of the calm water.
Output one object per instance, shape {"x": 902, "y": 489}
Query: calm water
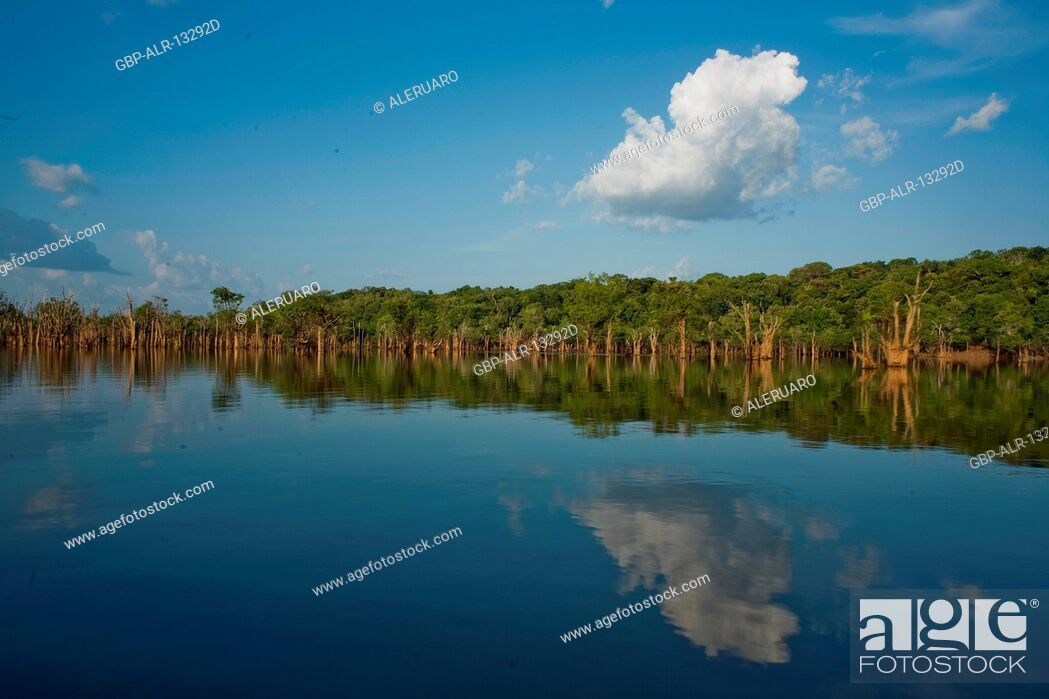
{"x": 578, "y": 485}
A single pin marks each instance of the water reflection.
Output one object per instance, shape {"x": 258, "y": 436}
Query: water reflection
{"x": 50, "y": 507}
{"x": 966, "y": 409}
{"x": 671, "y": 533}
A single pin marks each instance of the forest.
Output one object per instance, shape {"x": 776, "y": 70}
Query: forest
{"x": 990, "y": 305}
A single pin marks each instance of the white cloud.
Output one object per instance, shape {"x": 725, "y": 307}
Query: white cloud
{"x": 866, "y": 139}
{"x": 659, "y": 224}
{"x": 981, "y": 120}
{"x": 828, "y": 177}
{"x": 70, "y": 201}
{"x": 544, "y": 225}
{"x": 940, "y": 25}
{"x": 520, "y": 190}
{"x": 185, "y": 277}
{"x": 722, "y": 171}
{"x": 682, "y": 269}
{"x": 607, "y": 3}
{"x": 844, "y": 85}
{"x": 524, "y": 166}
{"x": 56, "y": 178}
{"x": 307, "y": 269}
{"x": 517, "y": 192}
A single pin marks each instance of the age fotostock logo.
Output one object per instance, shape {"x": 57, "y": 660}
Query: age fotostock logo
{"x": 930, "y": 636}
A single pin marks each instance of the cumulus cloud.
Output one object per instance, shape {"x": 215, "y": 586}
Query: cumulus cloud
{"x": 844, "y": 85}
{"x": 71, "y": 201}
{"x": 520, "y": 190}
{"x": 56, "y": 178}
{"x": 981, "y": 120}
{"x": 721, "y": 171}
{"x": 866, "y": 140}
{"x": 19, "y": 235}
{"x": 183, "y": 276}
{"x": 828, "y": 177}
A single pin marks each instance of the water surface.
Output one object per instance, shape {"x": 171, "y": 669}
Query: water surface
{"x": 579, "y": 485}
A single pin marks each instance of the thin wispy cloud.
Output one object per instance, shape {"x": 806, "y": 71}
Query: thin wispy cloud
{"x": 682, "y": 269}
{"x": 383, "y": 273}
{"x": 982, "y": 119}
{"x": 846, "y": 86}
{"x": 976, "y": 33}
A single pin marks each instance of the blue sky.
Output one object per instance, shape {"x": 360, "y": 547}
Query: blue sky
{"x": 252, "y": 157}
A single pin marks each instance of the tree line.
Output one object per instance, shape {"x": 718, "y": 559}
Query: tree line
{"x": 983, "y": 304}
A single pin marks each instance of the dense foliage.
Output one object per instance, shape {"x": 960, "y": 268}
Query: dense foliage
{"x": 997, "y": 300}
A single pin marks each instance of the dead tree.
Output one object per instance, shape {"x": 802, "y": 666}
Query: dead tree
{"x": 898, "y": 348}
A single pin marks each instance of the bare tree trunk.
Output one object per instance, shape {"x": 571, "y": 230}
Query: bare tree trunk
{"x": 898, "y": 349}
{"x": 131, "y": 321}
{"x": 768, "y": 334}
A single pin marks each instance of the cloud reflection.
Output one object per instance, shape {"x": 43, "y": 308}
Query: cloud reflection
{"x": 676, "y": 533}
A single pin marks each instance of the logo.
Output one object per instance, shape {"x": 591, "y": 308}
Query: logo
{"x": 930, "y": 636}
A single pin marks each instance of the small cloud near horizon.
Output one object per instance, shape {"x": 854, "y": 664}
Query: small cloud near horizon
{"x": 682, "y": 270}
